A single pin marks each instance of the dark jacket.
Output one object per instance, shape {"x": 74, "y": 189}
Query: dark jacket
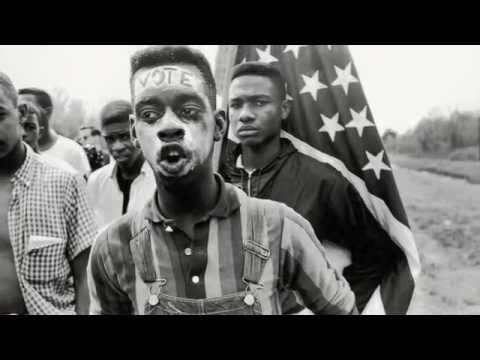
{"x": 334, "y": 208}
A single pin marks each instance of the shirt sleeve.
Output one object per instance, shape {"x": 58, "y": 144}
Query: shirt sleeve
{"x": 306, "y": 270}
{"x": 81, "y": 227}
{"x": 82, "y": 163}
{"x": 106, "y": 297}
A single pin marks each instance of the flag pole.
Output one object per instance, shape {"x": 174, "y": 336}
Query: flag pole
{"x": 224, "y": 63}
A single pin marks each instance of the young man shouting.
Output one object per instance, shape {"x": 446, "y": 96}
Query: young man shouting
{"x": 201, "y": 247}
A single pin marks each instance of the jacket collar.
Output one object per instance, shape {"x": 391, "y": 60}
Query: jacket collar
{"x": 286, "y": 149}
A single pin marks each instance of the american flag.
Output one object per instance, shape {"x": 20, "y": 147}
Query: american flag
{"x": 331, "y": 122}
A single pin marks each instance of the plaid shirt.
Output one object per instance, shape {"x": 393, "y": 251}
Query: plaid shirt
{"x": 211, "y": 264}
{"x": 50, "y": 224}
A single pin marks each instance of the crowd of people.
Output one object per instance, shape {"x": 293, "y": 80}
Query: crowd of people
{"x": 150, "y": 228}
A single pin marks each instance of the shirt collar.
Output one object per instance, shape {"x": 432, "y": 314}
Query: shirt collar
{"x": 227, "y": 204}
{"x": 25, "y": 173}
{"x": 113, "y": 173}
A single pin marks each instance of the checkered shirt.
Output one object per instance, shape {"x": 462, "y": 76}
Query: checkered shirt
{"x": 50, "y": 223}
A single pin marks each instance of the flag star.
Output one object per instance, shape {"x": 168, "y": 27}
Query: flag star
{"x": 360, "y": 121}
{"x": 331, "y": 126}
{"x": 295, "y": 49}
{"x": 266, "y": 56}
{"x": 312, "y": 85}
{"x": 289, "y": 98}
{"x": 345, "y": 77}
{"x": 376, "y": 164}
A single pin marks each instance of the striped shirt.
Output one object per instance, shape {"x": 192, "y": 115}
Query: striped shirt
{"x": 50, "y": 223}
{"x": 210, "y": 265}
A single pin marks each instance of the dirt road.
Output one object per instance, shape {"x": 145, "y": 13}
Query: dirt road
{"x": 444, "y": 214}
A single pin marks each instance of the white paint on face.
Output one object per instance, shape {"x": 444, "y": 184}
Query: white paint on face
{"x": 171, "y": 113}
{"x": 164, "y": 76}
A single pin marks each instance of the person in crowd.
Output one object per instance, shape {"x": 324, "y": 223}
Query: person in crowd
{"x": 126, "y": 184}
{"x": 50, "y": 142}
{"x": 267, "y": 166}
{"x": 201, "y": 246}
{"x": 30, "y": 121}
{"x": 46, "y": 226}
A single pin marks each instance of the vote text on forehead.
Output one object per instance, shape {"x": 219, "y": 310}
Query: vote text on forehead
{"x": 163, "y": 76}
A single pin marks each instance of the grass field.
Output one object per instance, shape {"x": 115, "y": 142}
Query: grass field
{"x": 444, "y": 215}
{"x": 468, "y": 170}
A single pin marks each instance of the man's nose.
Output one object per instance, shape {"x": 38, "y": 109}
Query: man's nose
{"x": 246, "y": 115}
{"x": 170, "y": 128}
{"x": 117, "y": 145}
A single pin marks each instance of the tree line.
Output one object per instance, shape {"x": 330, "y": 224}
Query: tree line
{"x": 454, "y": 136}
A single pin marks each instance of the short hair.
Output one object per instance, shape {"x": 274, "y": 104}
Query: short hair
{"x": 176, "y": 54}
{"x": 114, "y": 112}
{"x": 8, "y": 88}
{"x": 256, "y": 68}
{"x": 44, "y": 99}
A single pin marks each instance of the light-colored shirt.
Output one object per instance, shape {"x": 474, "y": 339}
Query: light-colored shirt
{"x": 210, "y": 265}
{"x": 70, "y": 152}
{"x": 58, "y": 163}
{"x": 50, "y": 224}
{"x": 106, "y": 198}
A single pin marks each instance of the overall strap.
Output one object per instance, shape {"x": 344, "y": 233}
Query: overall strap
{"x": 141, "y": 248}
{"x": 256, "y": 246}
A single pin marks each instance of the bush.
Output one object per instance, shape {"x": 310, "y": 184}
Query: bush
{"x": 465, "y": 154}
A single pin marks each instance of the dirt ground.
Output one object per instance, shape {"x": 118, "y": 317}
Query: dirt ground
{"x": 444, "y": 214}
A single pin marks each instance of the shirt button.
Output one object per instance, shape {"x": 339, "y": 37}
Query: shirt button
{"x": 195, "y": 279}
{"x": 188, "y": 251}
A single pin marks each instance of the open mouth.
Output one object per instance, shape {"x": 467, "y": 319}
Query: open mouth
{"x": 173, "y": 158}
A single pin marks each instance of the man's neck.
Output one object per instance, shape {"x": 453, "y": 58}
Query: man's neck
{"x": 255, "y": 158}
{"x": 131, "y": 172}
{"x": 13, "y": 161}
{"x": 188, "y": 202}
{"x": 48, "y": 140}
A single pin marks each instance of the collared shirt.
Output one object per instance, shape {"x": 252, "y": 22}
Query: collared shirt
{"x": 210, "y": 265}
{"x": 50, "y": 224}
{"x": 106, "y": 198}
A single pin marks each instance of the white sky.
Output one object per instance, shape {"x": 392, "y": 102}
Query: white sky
{"x": 402, "y": 83}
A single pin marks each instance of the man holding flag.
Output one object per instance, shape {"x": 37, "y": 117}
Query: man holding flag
{"x": 328, "y": 132}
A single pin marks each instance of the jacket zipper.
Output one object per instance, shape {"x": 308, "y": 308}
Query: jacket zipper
{"x": 249, "y": 183}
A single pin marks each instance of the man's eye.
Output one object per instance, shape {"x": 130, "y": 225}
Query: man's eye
{"x": 125, "y": 137}
{"x": 150, "y": 115}
{"x": 190, "y": 112}
{"x": 234, "y": 106}
{"x": 260, "y": 103}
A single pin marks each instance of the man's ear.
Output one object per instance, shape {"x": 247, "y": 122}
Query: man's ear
{"x": 23, "y": 110}
{"x": 221, "y": 125}
{"x": 285, "y": 108}
{"x": 133, "y": 131}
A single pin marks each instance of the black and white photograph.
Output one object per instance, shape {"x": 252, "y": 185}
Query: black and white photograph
{"x": 239, "y": 180}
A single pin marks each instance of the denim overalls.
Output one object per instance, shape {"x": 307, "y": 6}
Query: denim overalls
{"x": 256, "y": 254}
